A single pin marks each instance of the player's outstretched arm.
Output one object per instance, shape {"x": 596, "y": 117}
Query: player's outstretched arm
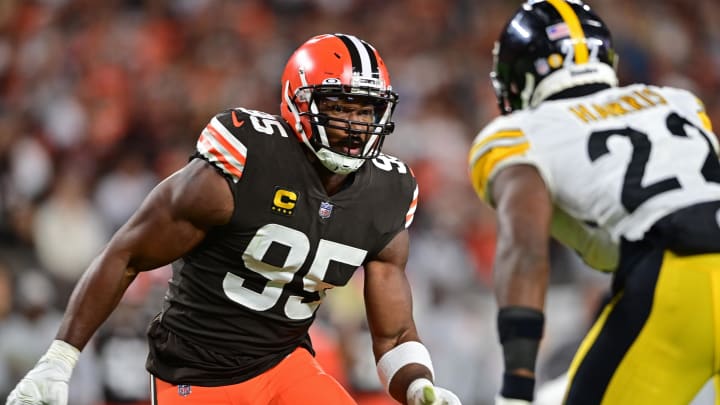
{"x": 521, "y": 271}
{"x": 172, "y": 220}
{"x": 404, "y": 364}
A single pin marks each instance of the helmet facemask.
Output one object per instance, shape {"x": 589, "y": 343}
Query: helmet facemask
{"x": 364, "y": 138}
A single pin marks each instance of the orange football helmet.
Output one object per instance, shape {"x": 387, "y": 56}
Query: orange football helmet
{"x": 343, "y": 67}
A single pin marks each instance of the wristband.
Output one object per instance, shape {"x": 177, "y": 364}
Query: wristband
{"x": 520, "y": 322}
{"x": 520, "y": 331}
{"x": 517, "y": 387}
{"x": 63, "y": 354}
{"x": 400, "y": 356}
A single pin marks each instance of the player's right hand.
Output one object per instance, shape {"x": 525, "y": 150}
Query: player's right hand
{"x": 47, "y": 382}
{"x": 423, "y": 392}
{"x": 510, "y": 401}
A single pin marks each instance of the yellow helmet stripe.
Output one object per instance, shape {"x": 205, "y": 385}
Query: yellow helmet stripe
{"x": 577, "y": 35}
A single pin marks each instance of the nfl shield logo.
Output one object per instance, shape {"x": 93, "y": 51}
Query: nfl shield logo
{"x": 184, "y": 390}
{"x": 325, "y": 210}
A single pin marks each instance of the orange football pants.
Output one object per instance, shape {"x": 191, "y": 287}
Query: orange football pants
{"x": 297, "y": 380}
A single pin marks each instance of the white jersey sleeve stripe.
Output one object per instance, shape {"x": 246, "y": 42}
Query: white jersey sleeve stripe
{"x": 497, "y": 143}
{"x": 488, "y": 157}
{"x": 410, "y": 216}
{"x": 220, "y": 147}
{"x": 229, "y": 141}
{"x": 209, "y": 151}
{"x": 500, "y": 138}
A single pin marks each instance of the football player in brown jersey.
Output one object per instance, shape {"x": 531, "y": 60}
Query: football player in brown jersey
{"x": 271, "y": 213}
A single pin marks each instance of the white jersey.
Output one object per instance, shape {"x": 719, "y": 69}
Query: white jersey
{"x": 614, "y": 162}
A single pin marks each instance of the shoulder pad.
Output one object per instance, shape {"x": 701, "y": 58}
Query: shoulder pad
{"x": 493, "y": 145}
{"x": 223, "y": 142}
{"x": 404, "y": 181}
{"x": 220, "y": 146}
{"x": 390, "y": 164}
{"x": 244, "y": 120}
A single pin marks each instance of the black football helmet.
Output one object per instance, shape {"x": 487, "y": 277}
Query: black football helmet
{"x": 549, "y": 46}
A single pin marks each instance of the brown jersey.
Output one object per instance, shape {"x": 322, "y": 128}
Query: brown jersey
{"x": 246, "y": 296}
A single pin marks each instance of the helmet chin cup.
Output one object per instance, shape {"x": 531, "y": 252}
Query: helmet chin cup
{"x": 338, "y": 163}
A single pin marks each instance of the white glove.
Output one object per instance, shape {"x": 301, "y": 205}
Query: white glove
{"x": 553, "y": 391}
{"x": 510, "y": 401}
{"x": 47, "y": 382}
{"x": 423, "y": 392}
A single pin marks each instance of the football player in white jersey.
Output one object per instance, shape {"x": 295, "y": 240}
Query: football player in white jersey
{"x": 626, "y": 176}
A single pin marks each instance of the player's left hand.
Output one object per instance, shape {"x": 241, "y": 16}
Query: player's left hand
{"x": 47, "y": 382}
{"x": 423, "y": 392}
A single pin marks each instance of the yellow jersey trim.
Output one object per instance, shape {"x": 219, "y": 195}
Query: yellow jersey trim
{"x": 483, "y": 165}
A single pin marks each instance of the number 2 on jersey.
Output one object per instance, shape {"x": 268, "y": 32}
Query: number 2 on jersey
{"x": 634, "y": 193}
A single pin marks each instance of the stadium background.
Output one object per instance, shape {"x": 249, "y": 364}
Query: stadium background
{"x": 99, "y": 100}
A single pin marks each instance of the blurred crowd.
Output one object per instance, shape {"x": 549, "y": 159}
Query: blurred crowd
{"x": 100, "y": 100}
